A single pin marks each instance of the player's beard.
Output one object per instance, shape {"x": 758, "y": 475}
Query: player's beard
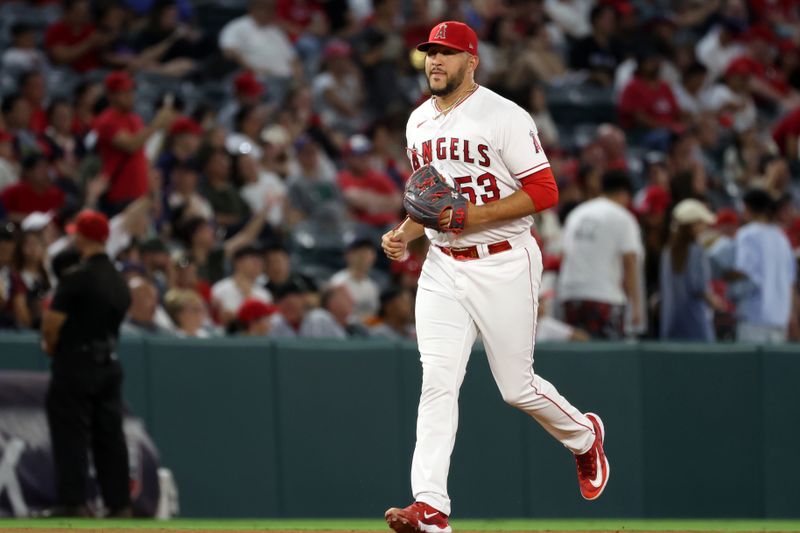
{"x": 451, "y": 85}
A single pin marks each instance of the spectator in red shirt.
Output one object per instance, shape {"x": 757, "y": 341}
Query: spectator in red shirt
{"x": 373, "y": 197}
{"x": 786, "y": 133}
{"x": 766, "y": 82}
{"x": 647, "y": 103}
{"x": 33, "y": 88}
{"x": 74, "y": 41}
{"x": 34, "y": 192}
{"x": 121, "y": 136}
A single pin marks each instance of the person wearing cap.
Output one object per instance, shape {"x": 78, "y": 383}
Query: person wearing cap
{"x": 34, "y": 192}
{"x": 730, "y": 99}
{"x": 44, "y": 225}
{"x": 121, "y": 137}
{"x": 481, "y": 274}
{"x": 247, "y": 91}
{"x": 254, "y": 317}
{"x": 338, "y": 90}
{"x": 373, "y": 198}
{"x": 185, "y": 135}
{"x": 766, "y": 270}
{"x": 80, "y": 332}
{"x": 228, "y": 294}
{"x": 360, "y": 257}
{"x": 687, "y": 299}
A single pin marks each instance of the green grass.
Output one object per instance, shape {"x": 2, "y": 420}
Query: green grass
{"x": 378, "y": 525}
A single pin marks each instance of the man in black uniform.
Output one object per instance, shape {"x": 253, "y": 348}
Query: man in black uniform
{"x": 84, "y": 402}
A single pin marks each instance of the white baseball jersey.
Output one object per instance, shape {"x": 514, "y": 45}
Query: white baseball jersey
{"x": 483, "y": 146}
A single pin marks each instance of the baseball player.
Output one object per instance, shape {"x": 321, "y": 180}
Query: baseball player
{"x": 480, "y": 175}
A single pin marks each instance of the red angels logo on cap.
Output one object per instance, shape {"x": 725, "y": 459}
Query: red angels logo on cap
{"x": 441, "y": 32}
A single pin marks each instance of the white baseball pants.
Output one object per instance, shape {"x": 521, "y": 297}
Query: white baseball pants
{"x": 497, "y": 296}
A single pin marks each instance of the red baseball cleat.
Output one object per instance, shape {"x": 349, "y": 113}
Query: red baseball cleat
{"x": 417, "y": 517}
{"x": 593, "y": 467}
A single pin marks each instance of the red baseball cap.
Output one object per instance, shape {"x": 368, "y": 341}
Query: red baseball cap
{"x": 185, "y": 125}
{"x": 337, "y": 48}
{"x": 119, "y": 81}
{"x": 248, "y": 85}
{"x": 727, "y": 216}
{"x": 252, "y": 310}
{"x": 452, "y": 34}
{"x": 742, "y": 66}
{"x": 91, "y": 224}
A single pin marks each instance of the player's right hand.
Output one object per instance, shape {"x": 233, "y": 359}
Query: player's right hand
{"x": 394, "y": 244}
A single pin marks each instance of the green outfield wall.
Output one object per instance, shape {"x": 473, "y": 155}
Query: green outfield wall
{"x": 326, "y": 429}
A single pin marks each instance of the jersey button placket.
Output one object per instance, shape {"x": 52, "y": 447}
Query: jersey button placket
{"x": 460, "y": 280}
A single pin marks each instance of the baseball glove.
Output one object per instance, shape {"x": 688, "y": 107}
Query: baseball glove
{"x": 428, "y": 195}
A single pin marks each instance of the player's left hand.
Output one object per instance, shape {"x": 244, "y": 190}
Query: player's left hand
{"x": 428, "y": 199}
{"x": 444, "y": 218}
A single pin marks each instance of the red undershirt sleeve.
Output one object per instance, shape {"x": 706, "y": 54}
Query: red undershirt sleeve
{"x": 542, "y": 189}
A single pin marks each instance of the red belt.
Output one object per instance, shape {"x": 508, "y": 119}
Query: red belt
{"x": 471, "y": 252}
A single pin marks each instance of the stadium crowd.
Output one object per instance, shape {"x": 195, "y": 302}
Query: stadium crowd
{"x": 249, "y": 155}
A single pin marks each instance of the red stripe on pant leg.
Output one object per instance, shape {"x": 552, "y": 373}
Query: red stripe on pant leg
{"x": 559, "y": 408}
{"x": 533, "y": 375}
